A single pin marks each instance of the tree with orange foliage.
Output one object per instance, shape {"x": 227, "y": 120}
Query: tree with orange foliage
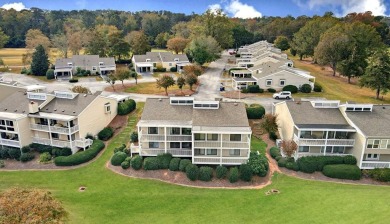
{"x": 177, "y": 44}
{"x": 289, "y": 147}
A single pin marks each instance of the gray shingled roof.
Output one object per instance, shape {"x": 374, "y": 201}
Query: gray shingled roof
{"x": 84, "y": 60}
{"x": 375, "y": 123}
{"x": 305, "y": 115}
{"x": 69, "y": 106}
{"x": 156, "y": 57}
{"x": 228, "y": 114}
{"x": 17, "y": 103}
{"x": 169, "y": 57}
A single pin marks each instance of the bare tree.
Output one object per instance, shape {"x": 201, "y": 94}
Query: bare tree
{"x": 289, "y": 147}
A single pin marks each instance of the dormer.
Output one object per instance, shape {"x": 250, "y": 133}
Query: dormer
{"x": 148, "y": 60}
{"x": 70, "y": 64}
{"x": 101, "y": 63}
{"x": 176, "y": 59}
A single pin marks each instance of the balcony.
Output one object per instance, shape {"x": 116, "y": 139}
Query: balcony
{"x": 174, "y": 138}
{"x": 180, "y": 152}
{"x": 323, "y": 142}
{"x": 56, "y": 129}
{"x": 151, "y": 152}
{"x": 56, "y": 143}
{"x": 39, "y": 127}
{"x": 152, "y": 138}
{"x": 235, "y": 145}
{"x": 83, "y": 143}
{"x": 374, "y": 164}
{"x": 8, "y": 142}
{"x": 207, "y": 144}
{"x": 220, "y": 160}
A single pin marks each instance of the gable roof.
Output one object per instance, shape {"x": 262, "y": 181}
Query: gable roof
{"x": 69, "y": 106}
{"x": 83, "y": 61}
{"x": 17, "y": 102}
{"x": 156, "y": 57}
{"x": 373, "y": 124}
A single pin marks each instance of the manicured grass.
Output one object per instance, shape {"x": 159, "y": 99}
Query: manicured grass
{"x": 258, "y": 145}
{"x": 112, "y": 198}
{"x": 151, "y": 88}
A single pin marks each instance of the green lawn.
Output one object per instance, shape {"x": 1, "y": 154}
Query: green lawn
{"x": 112, "y": 198}
{"x": 258, "y": 145}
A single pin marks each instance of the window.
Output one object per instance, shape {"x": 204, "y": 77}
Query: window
{"x": 235, "y": 137}
{"x": 200, "y": 136}
{"x": 154, "y": 145}
{"x": 303, "y": 149}
{"x": 174, "y": 145}
{"x": 170, "y": 64}
{"x": 55, "y": 135}
{"x": 268, "y": 82}
{"x": 212, "y": 152}
{"x": 234, "y": 152}
{"x": 107, "y": 108}
{"x": 10, "y": 123}
{"x": 152, "y": 130}
{"x": 282, "y": 82}
{"x": 199, "y": 152}
{"x": 94, "y": 68}
{"x": 373, "y": 144}
{"x": 372, "y": 156}
{"x": 186, "y": 131}
{"x": 175, "y": 131}
{"x": 2, "y": 122}
{"x": 338, "y": 149}
{"x": 212, "y": 137}
{"x": 186, "y": 145}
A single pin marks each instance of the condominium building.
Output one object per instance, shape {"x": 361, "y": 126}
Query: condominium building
{"x": 209, "y": 132}
{"x": 151, "y": 60}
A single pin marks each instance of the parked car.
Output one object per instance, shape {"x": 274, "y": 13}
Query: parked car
{"x": 282, "y": 95}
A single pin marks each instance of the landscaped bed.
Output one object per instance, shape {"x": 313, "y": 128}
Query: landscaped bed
{"x": 151, "y": 88}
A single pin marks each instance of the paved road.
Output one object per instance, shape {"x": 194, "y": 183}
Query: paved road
{"x": 209, "y": 81}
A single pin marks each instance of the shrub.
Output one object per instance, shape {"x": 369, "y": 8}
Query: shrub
{"x": 291, "y": 88}
{"x": 41, "y": 148}
{"x": 23, "y": 71}
{"x": 173, "y": 69}
{"x": 174, "y": 164}
{"x": 73, "y": 80}
{"x": 80, "y": 157}
{"x": 307, "y": 165}
{"x": 244, "y": 90}
{"x": 61, "y": 151}
{"x": 342, "y": 171}
{"x": 90, "y": 136}
{"x": 2, "y": 164}
{"x": 274, "y": 152}
{"x": 159, "y": 69}
{"x": 4, "y": 153}
{"x": 258, "y": 164}
{"x": 121, "y": 148}
{"x": 205, "y": 173}
{"x": 151, "y": 163}
{"x": 255, "y": 111}
{"x": 14, "y": 153}
{"x": 136, "y": 162}
{"x": 192, "y": 172}
{"x": 50, "y": 74}
{"x": 254, "y": 89}
{"x": 26, "y": 149}
{"x": 45, "y": 157}
{"x": 351, "y": 160}
{"x": 221, "y": 172}
{"x": 282, "y": 162}
{"x": 292, "y": 166}
{"x": 382, "y": 174}
{"x": 118, "y": 158}
{"x": 317, "y": 88}
{"x": 277, "y": 158}
{"x": 25, "y": 157}
{"x": 183, "y": 164}
{"x": 305, "y": 88}
{"x": 271, "y": 90}
{"x": 273, "y": 136}
{"x": 126, "y": 107}
{"x": 134, "y": 137}
{"x": 106, "y": 133}
{"x": 233, "y": 175}
{"x": 164, "y": 160}
{"x": 246, "y": 172}
{"x": 125, "y": 164}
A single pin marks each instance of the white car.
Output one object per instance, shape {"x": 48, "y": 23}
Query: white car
{"x": 282, "y": 95}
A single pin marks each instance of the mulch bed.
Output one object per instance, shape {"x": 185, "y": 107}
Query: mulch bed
{"x": 117, "y": 123}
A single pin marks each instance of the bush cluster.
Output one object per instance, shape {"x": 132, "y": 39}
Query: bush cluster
{"x": 292, "y": 165}
{"x": 255, "y": 89}
{"x": 233, "y": 175}
{"x": 80, "y": 157}
{"x": 26, "y": 149}
{"x": 255, "y": 111}
{"x": 2, "y": 164}
{"x": 271, "y": 90}
{"x": 173, "y": 69}
{"x": 258, "y": 164}
{"x": 183, "y": 164}
{"x": 164, "y": 160}
{"x": 159, "y": 69}
{"x": 342, "y": 171}
{"x": 73, "y": 80}
{"x": 192, "y": 172}
{"x": 106, "y": 133}
{"x": 221, "y": 172}
{"x": 305, "y": 88}
{"x": 122, "y": 148}
{"x": 61, "y": 151}
{"x": 136, "y": 162}
{"x": 126, "y": 163}
{"x": 126, "y": 107}
{"x": 25, "y": 157}
{"x": 382, "y": 174}
{"x": 272, "y": 135}
{"x": 291, "y": 88}
{"x": 205, "y": 173}
{"x": 246, "y": 172}
{"x": 50, "y": 74}
{"x": 282, "y": 162}
{"x": 317, "y": 88}
{"x": 134, "y": 137}
{"x": 118, "y": 158}
{"x": 310, "y": 164}
{"x": 274, "y": 152}
{"x": 174, "y": 164}
{"x": 41, "y": 148}
{"x": 44, "y": 157}
{"x": 151, "y": 163}
{"x": 10, "y": 153}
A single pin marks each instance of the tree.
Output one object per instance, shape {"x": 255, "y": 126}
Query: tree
{"x": 135, "y": 76}
{"x": 138, "y": 42}
{"x": 269, "y": 123}
{"x": 377, "y": 73}
{"x": 193, "y": 70}
{"x": 30, "y": 206}
{"x": 3, "y": 38}
{"x": 281, "y": 42}
{"x": 75, "y": 42}
{"x": 217, "y": 25}
{"x": 111, "y": 79}
{"x": 180, "y": 83}
{"x": 40, "y": 61}
{"x": 35, "y": 37}
{"x": 333, "y": 47}
{"x": 161, "y": 40}
{"x": 204, "y": 49}
{"x": 60, "y": 42}
{"x": 122, "y": 74}
{"x": 191, "y": 80}
{"x": 242, "y": 36}
{"x": 165, "y": 82}
{"x": 80, "y": 89}
{"x": 177, "y": 44}
{"x": 289, "y": 147}
{"x": 181, "y": 29}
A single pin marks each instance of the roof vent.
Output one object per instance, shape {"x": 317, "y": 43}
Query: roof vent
{"x": 55, "y": 109}
{"x": 160, "y": 99}
{"x": 63, "y": 110}
{"x": 85, "y": 95}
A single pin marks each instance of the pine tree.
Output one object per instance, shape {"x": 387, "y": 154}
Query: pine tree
{"x": 40, "y": 61}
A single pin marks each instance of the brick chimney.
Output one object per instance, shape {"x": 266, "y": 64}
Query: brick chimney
{"x": 33, "y": 107}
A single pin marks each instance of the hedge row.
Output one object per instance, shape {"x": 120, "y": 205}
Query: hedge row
{"x": 342, "y": 171}
{"x": 80, "y": 157}
{"x": 106, "y": 133}
{"x": 10, "y": 153}
{"x": 382, "y": 174}
{"x": 126, "y": 107}
{"x": 255, "y": 111}
{"x": 310, "y": 164}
